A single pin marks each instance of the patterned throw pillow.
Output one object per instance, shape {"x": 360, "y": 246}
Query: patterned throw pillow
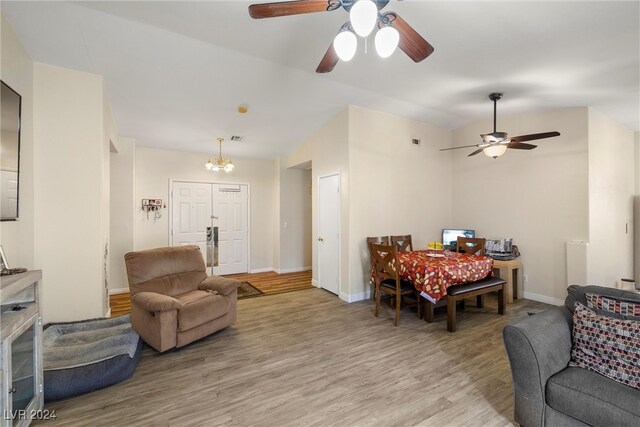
{"x": 608, "y": 346}
{"x": 624, "y": 309}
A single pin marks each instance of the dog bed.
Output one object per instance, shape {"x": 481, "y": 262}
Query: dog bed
{"x": 81, "y": 357}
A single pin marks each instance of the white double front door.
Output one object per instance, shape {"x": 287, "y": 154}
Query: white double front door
{"x": 216, "y": 218}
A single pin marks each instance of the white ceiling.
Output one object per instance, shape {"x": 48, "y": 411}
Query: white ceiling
{"x": 176, "y": 71}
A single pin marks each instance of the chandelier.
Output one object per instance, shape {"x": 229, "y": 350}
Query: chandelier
{"x": 363, "y": 19}
{"x": 217, "y": 164}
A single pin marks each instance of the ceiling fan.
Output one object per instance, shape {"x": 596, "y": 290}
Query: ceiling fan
{"x": 494, "y": 144}
{"x": 364, "y": 16}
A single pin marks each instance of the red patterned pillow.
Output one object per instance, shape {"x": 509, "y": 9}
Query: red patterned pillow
{"x": 612, "y": 305}
{"x": 608, "y": 346}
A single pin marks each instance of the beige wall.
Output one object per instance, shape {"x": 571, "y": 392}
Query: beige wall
{"x": 330, "y": 154}
{"x": 122, "y": 183}
{"x": 611, "y": 190}
{"x": 69, "y": 160}
{"x": 396, "y": 187}
{"x": 294, "y": 225}
{"x": 302, "y": 153}
{"x": 16, "y": 69}
{"x": 277, "y": 172}
{"x": 109, "y": 142}
{"x": 153, "y": 170}
{"x": 538, "y": 197}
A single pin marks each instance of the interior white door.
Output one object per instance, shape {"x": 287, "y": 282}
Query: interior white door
{"x": 191, "y": 214}
{"x": 329, "y": 233}
{"x": 231, "y": 216}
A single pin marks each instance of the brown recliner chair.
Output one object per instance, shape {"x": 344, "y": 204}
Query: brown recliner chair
{"x": 173, "y": 302}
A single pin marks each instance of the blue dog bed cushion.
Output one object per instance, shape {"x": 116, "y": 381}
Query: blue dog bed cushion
{"x": 81, "y": 357}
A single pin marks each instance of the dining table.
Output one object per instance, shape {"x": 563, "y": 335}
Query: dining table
{"x": 433, "y": 271}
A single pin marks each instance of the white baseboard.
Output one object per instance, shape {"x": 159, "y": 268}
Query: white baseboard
{"x": 314, "y": 282}
{"x": 542, "y": 298}
{"x": 261, "y": 270}
{"x": 355, "y": 297}
{"x": 292, "y": 270}
{"x": 117, "y": 291}
{"x": 108, "y": 315}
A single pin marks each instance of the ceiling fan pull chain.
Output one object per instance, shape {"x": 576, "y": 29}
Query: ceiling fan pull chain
{"x": 366, "y": 39}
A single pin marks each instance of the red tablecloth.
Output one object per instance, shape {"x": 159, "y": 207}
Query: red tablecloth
{"x": 433, "y": 276}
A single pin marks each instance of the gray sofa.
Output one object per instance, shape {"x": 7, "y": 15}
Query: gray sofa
{"x": 550, "y": 393}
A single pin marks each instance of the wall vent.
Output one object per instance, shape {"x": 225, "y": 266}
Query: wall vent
{"x": 237, "y": 138}
{"x": 415, "y": 141}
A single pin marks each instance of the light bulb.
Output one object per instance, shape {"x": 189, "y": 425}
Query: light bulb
{"x": 494, "y": 151}
{"x": 363, "y": 16}
{"x": 345, "y": 45}
{"x": 209, "y": 165}
{"x": 216, "y": 168}
{"x": 387, "y": 40}
{"x": 229, "y": 167}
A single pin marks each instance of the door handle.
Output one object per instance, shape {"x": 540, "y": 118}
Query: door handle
{"x": 320, "y": 239}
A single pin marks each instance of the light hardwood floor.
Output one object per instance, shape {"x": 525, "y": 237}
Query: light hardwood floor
{"x": 308, "y": 358}
{"x": 269, "y": 282}
{"x": 273, "y": 283}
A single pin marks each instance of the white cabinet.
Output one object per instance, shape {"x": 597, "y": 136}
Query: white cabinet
{"x": 21, "y": 377}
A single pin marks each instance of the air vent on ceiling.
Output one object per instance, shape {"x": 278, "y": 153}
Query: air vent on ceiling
{"x": 415, "y": 141}
{"x": 237, "y": 138}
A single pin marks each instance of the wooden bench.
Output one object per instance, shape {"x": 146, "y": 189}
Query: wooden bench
{"x": 458, "y": 293}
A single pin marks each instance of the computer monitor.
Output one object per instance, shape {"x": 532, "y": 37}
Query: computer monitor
{"x": 450, "y": 236}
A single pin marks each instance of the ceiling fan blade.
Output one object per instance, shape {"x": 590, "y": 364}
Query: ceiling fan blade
{"x": 455, "y": 148}
{"x": 285, "y": 8}
{"x": 411, "y": 43}
{"x": 521, "y": 146}
{"x": 475, "y": 152}
{"x": 329, "y": 61}
{"x": 534, "y": 136}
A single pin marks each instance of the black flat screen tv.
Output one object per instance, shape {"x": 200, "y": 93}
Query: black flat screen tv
{"x": 450, "y": 236}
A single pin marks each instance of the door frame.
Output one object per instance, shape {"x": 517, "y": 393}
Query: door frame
{"x": 192, "y": 181}
{"x": 327, "y": 175}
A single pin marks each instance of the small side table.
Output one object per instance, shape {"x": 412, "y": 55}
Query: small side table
{"x": 511, "y": 271}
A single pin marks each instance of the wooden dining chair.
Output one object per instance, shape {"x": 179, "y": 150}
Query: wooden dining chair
{"x": 387, "y": 279}
{"x": 381, "y": 240}
{"x": 471, "y": 246}
{"x": 402, "y": 243}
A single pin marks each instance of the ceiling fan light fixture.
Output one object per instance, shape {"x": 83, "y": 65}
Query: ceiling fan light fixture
{"x": 496, "y": 137}
{"x": 363, "y": 16}
{"x": 495, "y": 150}
{"x": 345, "y": 45}
{"x": 387, "y": 40}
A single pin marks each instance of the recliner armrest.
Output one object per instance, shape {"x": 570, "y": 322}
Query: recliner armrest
{"x": 538, "y": 347}
{"x": 219, "y": 284}
{"x": 152, "y": 301}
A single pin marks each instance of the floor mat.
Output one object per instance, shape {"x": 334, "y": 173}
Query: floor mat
{"x": 247, "y": 290}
